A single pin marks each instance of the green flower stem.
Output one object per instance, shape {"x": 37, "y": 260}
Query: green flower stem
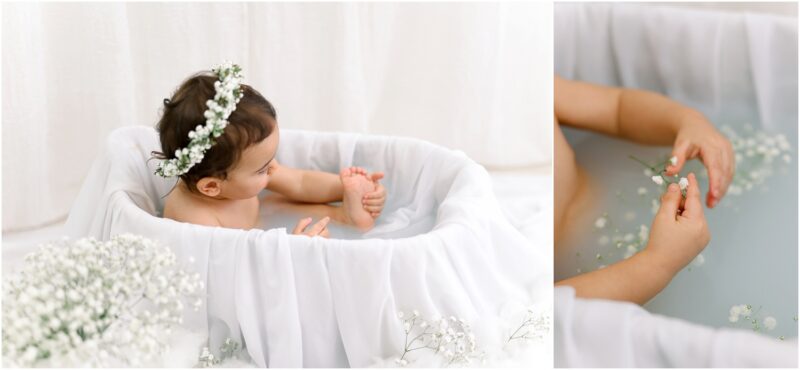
{"x": 644, "y": 163}
{"x": 655, "y": 169}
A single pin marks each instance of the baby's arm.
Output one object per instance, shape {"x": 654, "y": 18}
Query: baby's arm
{"x": 636, "y": 279}
{"x": 678, "y": 235}
{"x": 649, "y": 118}
{"x": 305, "y": 185}
{"x": 637, "y": 115}
{"x": 322, "y": 187}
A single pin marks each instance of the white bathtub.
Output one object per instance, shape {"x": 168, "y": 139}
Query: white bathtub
{"x": 737, "y": 68}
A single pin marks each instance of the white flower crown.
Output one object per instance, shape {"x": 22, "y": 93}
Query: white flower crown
{"x": 228, "y": 94}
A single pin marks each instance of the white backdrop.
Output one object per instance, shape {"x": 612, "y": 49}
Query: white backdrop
{"x": 475, "y": 77}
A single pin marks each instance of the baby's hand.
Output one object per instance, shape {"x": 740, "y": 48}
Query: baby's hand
{"x": 373, "y": 202}
{"x": 679, "y": 233}
{"x": 698, "y": 138}
{"x": 319, "y": 229}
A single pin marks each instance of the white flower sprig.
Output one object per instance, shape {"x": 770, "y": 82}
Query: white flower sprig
{"x": 755, "y": 157}
{"x": 228, "y": 94}
{"x": 229, "y": 350}
{"x": 745, "y": 311}
{"x": 742, "y": 310}
{"x": 744, "y": 314}
{"x": 533, "y": 327}
{"x": 92, "y": 303}
{"x": 657, "y": 173}
{"x": 450, "y": 338}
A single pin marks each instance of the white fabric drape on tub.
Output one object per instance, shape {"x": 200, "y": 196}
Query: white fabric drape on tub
{"x": 468, "y": 76}
{"x": 728, "y": 64}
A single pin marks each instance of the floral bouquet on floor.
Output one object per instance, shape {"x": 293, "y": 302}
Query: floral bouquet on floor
{"x": 92, "y": 303}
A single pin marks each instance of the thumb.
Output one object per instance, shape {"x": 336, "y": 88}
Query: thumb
{"x": 693, "y": 206}
{"x": 670, "y": 202}
{"x": 681, "y": 153}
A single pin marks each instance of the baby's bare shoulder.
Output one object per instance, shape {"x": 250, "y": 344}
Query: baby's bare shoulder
{"x": 180, "y": 209}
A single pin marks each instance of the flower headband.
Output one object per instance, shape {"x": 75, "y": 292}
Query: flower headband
{"x": 228, "y": 94}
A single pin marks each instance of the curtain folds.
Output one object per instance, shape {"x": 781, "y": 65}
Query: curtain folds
{"x": 471, "y": 76}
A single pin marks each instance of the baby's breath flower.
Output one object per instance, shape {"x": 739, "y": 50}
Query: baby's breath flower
{"x": 770, "y": 322}
{"x": 658, "y": 180}
{"x": 644, "y": 233}
{"x": 683, "y": 183}
{"x": 698, "y": 261}
{"x": 449, "y": 337}
{"x": 630, "y": 251}
{"x": 228, "y": 94}
{"x": 77, "y": 304}
{"x": 755, "y": 157}
{"x": 600, "y": 222}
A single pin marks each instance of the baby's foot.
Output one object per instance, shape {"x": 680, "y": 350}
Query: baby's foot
{"x": 355, "y": 186}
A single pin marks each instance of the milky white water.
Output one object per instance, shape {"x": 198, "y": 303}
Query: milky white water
{"x": 752, "y": 256}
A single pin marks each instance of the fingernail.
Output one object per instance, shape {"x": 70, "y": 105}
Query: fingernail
{"x": 672, "y": 188}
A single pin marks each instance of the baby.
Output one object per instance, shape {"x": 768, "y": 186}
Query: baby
{"x": 220, "y": 137}
{"x": 679, "y": 231}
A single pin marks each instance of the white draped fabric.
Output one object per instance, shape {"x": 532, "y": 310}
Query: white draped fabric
{"x": 470, "y": 76}
{"x": 713, "y": 60}
{"x": 442, "y": 246}
{"x": 603, "y": 333}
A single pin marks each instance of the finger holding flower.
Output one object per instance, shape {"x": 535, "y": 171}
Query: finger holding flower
{"x": 697, "y": 138}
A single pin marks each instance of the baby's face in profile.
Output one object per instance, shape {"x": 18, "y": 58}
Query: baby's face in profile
{"x": 251, "y": 174}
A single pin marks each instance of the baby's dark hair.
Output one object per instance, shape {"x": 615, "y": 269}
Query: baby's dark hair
{"x": 252, "y": 121}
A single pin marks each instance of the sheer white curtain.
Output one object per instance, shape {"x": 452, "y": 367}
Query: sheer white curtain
{"x": 474, "y": 76}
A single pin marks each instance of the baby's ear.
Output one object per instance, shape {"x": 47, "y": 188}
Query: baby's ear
{"x": 209, "y": 186}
